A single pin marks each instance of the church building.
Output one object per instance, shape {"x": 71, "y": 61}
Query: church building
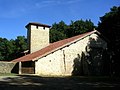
{"x": 71, "y": 56}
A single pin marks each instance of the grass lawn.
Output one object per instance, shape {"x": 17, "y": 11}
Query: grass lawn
{"x": 8, "y": 74}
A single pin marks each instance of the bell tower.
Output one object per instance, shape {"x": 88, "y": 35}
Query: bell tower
{"x": 37, "y": 36}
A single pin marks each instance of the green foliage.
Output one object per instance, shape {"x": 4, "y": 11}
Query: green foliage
{"x": 61, "y": 30}
{"x": 11, "y": 49}
{"x": 79, "y": 27}
{"x": 56, "y": 35}
{"x": 57, "y": 32}
{"x": 109, "y": 26}
{"x": 5, "y": 49}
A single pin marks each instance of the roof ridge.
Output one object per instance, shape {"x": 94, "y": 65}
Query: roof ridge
{"x": 37, "y": 24}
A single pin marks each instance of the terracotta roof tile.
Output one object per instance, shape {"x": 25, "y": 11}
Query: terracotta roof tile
{"x": 51, "y": 48}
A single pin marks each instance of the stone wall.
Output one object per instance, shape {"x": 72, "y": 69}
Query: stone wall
{"x": 65, "y": 60}
{"x": 38, "y": 38}
{"x": 6, "y": 67}
{"x": 50, "y": 64}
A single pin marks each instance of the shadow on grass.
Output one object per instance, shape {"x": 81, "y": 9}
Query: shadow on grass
{"x": 30, "y": 82}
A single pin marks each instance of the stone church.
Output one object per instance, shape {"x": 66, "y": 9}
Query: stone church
{"x": 71, "y": 56}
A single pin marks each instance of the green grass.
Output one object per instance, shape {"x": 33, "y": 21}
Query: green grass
{"x": 7, "y": 74}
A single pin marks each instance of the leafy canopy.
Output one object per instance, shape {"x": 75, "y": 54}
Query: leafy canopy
{"x": 109, "y": 26}
{"x": 11, "y": 49}
{"x": 61, "y": 30}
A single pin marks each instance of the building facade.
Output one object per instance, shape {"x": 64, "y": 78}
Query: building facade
{"x": 78, "y": 55}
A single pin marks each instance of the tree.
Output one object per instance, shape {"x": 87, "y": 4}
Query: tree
{"x": 61, "y": 30}
{"x": 79, "y": 27}
{"x": 21, "y": 45}
{"x": 57, "y": 32}
{"x": 109, "y": 26}
{"x": 11, "y": 49}
{"x": 56, "y": 35}
{"x": 6, "y": 49}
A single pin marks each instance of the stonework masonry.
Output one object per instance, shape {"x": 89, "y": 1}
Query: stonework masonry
{"x": 61, "y": 61}
{"x": 38, "y": 37}
{"x": 6, "y": 67}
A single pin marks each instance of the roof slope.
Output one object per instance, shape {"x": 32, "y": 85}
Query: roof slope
{"x": 51, "y": 48}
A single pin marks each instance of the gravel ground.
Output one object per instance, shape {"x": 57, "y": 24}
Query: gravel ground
{"x": 30, "y": 82}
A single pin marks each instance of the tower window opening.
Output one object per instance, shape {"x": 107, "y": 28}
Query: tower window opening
{"x": 43, "y": 27}
{"x": 37, "y": 27}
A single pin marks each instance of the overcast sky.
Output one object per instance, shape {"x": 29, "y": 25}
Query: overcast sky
{"x": 15, "y": 14}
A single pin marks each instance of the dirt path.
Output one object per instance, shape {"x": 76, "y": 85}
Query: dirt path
{"x": 28, "y": 82}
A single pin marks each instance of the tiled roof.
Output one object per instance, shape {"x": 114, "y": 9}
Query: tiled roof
{"x": 51, "y": 48}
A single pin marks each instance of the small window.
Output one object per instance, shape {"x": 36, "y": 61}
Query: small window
{"x": 43, "y": 27}
{"x": 37, "y": 27}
